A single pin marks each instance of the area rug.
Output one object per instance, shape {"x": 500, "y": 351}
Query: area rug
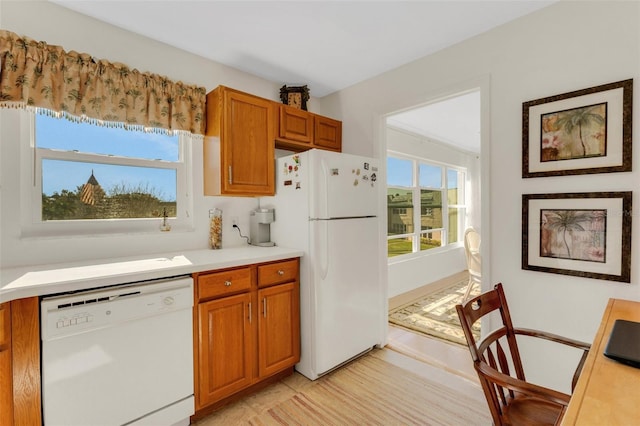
{"x": 371, "y": 391}
{"x": 435, "y": 314}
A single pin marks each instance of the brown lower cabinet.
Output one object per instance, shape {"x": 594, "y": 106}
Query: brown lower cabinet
{"x": 6, "y": 372}
{"x": 225, "y": 347}
{"x": 246, "y": 330}
{"x": 20, "y": 362}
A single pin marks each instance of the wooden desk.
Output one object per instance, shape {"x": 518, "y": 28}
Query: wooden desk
{"x": 608, "y": 392}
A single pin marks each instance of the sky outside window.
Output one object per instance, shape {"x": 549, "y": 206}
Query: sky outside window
{"x": 399, "y": 172}
{"x": 430, "y": 176}
{"x": 62, "y": 134}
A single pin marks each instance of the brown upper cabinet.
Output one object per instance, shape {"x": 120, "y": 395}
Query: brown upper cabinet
{"x": 238, "y": 147}
{"x": 242, "y": 133}
{"x": 300, "y": 130}
{"x": 295, "y": 125}
{"x": 327, "y": 133}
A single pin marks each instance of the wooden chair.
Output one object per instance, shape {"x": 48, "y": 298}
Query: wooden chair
{"x": 512, "y": 400}
{"x": 474, "y": 262}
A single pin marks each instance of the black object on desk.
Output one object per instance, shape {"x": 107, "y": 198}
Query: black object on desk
{"x": 624, "y": 343}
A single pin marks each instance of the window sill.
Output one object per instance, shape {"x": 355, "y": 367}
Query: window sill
{"x": 41, "y": 232}
{"x": 426, "y": 253}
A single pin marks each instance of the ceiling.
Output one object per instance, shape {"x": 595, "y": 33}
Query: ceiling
{"x": 327, "y": 45}
{"x": 455, "y": 121}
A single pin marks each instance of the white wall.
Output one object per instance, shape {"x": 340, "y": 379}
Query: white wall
{"x": 414, "y": 271}
{"x": 568, "y": 46}
{"x": 43, "y": 20}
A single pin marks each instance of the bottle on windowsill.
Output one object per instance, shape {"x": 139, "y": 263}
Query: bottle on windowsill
{"x": 164, "y": 226}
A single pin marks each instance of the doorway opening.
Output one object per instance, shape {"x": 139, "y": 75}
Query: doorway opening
{"x": 433, "y": 195}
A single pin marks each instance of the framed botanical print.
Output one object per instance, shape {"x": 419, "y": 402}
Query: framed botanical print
{"x": 583, "y": 234}
{"x": 581, "y": 132}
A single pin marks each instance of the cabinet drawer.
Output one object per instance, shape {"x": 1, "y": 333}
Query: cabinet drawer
{"x": 224, "y": 282}
{"x": 276, "y": 273}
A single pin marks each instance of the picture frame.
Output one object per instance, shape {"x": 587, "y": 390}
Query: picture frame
{"x": 584, "y": 234}
{"x": 296, "y": 96}
{"x": 581, "y": 132}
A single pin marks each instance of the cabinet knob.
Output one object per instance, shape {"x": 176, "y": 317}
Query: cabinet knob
{"x": 227, "y": 283}
{"x": 280, "y": 272}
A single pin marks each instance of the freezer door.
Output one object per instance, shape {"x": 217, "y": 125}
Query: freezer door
{"x": 347, "y": 297}
{"x": 343, "y": 185}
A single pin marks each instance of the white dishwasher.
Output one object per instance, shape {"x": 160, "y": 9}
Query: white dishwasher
{"x": 119, "y": 356}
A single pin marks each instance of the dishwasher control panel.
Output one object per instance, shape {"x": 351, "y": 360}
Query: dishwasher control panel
{"x": 75, "y": 320}
{"x": 80, "y": 312}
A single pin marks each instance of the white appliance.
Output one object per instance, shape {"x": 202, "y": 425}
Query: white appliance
{"x": 326, "y": 204}
{"x": 119, "y": 356}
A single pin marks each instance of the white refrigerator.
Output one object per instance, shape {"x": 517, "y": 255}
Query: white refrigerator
{"x": 326, "y": 204}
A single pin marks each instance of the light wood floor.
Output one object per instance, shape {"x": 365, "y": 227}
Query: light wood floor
{"x": 239, "y": 412}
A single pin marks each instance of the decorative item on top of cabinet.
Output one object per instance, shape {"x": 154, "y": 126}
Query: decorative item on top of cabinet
{"x": 246, "y": 330}
{"x": 238, "y": 147}
{"x": 296, "y": 97}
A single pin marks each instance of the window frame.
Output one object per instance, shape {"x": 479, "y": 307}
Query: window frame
{"x": 32, "y": 224}
{"x": 417, "y": 207}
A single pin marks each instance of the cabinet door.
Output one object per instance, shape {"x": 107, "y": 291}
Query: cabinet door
{"x": 6, "y": 381}
{"x": 278, "y": 328}
{"x": 247, "y": 140}
{"x": 295, "y": 124}
{"x": 327, "y": 133}
{"x": 224, "y": 348}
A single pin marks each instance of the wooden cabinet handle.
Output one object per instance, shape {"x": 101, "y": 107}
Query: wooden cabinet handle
{"x": 249, "y": 311}
{"x": 264, "y": 307}
{"x": 227, "y": 283}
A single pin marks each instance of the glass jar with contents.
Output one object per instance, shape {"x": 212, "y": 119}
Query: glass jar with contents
{"x": 215, "y": 229}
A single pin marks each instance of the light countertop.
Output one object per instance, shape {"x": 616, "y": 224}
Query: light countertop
{"x": 39, "y": 280}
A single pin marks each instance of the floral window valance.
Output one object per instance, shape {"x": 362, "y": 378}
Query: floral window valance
{"x": 35, "y": 74}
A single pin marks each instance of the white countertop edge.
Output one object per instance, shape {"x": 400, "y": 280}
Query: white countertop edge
{"x": 40, "y": 280}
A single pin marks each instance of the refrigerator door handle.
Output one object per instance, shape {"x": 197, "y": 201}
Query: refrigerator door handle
{"x": 323, "y": 250}
{"x": 342, "y": 217}
{"x": 323, "y": 191}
